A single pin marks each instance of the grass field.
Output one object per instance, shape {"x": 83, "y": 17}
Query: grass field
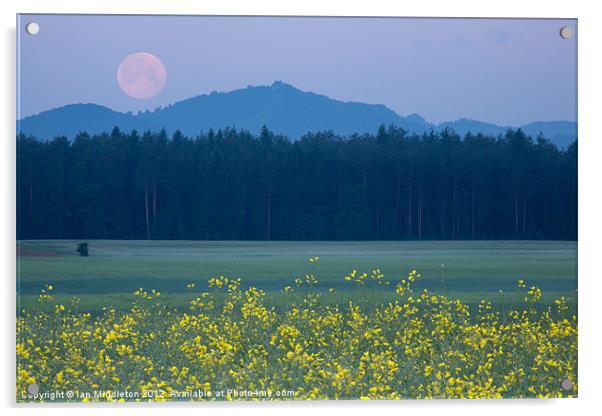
{"x": 470, "y": 270}
{"x": 355, "y": 339}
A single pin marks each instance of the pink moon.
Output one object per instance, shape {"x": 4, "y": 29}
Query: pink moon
{"x": 141, "y": 75}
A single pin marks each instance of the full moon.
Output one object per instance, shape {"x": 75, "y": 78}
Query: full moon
{"x": 141, "y": 75}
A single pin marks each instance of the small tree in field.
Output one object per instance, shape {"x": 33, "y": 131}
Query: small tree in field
{"x": 82, "y": 249}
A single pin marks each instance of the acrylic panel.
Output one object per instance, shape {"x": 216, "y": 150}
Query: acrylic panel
{"x": 295, "y": 208}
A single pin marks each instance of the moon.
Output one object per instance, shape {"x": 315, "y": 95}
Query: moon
{"x": 141, "y": 75}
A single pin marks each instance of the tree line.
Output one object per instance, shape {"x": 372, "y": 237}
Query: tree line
{"x": 233, "y": 185}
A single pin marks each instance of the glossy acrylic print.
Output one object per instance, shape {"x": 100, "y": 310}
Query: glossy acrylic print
{"x": 295, "y": 208}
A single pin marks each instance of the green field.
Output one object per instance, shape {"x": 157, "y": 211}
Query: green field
{"x": 471, "y": 270}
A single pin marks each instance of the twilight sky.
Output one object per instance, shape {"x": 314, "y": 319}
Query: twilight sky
{"x": 508, "y": 72}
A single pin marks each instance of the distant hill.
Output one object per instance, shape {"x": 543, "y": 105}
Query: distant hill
{"x": 561, "y": 133}
{"x": 73, "y": 118}
{"x": 280, "y": 106}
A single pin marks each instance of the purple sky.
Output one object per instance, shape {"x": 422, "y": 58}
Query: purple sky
{"x": 503, "y": 71}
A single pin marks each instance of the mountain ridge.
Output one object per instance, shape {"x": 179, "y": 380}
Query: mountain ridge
{"x": 281, "y": 107}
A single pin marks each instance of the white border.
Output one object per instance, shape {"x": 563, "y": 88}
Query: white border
{"x": 590, "y": 33}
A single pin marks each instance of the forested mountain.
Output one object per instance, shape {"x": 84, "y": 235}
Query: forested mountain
{"x": 284, "y": 108}
{"x": 233, "y": 185}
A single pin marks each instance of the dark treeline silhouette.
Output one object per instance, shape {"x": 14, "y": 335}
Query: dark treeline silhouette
{"x": 231, "y": 185}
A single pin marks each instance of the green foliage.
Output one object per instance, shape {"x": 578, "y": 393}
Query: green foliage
{"x": 231, "y": 185}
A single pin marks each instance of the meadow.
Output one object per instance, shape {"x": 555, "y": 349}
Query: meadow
{"x": 469, "y": 270}
{"x": 237, "y": 347}
{"x": 139, "y": 321}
